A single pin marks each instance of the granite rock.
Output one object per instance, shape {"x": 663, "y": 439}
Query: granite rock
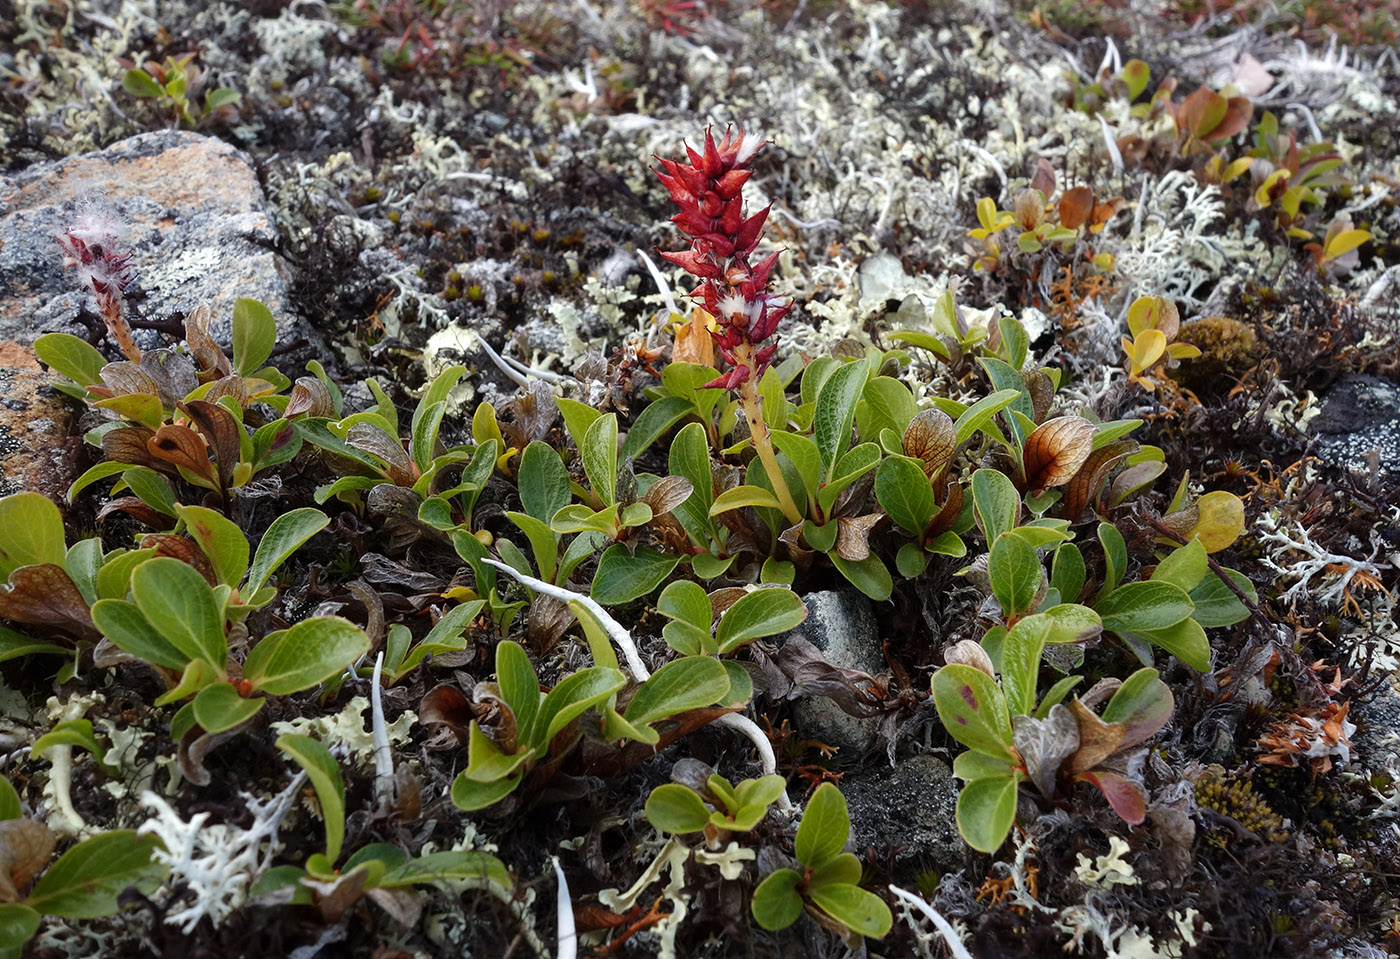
{"x": 911, "y": 806}
{"x": 37, "y": 449}
{"x": 1358, "y": 428}
{"x": 200, "y": 231}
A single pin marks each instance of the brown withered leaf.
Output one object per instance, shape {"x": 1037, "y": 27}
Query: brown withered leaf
{"x": 185, "y": 550}
{"x": 221, "y": 431}
{"x": 173, "y": 373}
{"x": 667, "y": 493}
{"x": 853, "y": 536}
{"x": 25, "y": 848}
{"x": 309, "y": 397}
{"x": 404, "y": 905}
{"x": 930, "y": 437}
{"x": 44, "y": 595}
{"x": 948, "y": 510}
{"x": 1042, "y": 392}
{"x": 811, "y": 674}
{"x": 182, "y": 446}
{"x": 446, "y": 705}
{"x": 1044, "y": 745}
{"x": 337, "y": 897}
{"x": 1075, "y": 207}
{"x": 1182, "y": 521}
{"x": 123, "y": 377}
{"x": 1055, "y": 451}
{"x": 211, "y": 359}
{"x": 546, "y": 622}
{"x": 370, "y": 439}
{"x": 133, "y": 506}
{"x": 1097, "y": 739}
{"x": 128, "y": 445}
{"x": 228, "y": 386}
{"x": 1103, "y": 212}
{"x": 969, "y": 652}
{"x": 1043, "y": 178}
{"x": 693, "y": 341}
{"x": 1090, "y": 479}
{"x": 196, "y": 745}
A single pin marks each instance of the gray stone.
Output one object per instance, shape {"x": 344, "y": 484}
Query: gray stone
{"x": 199, "y": 231}
{"x": 841, "y": 624}
{"x": 1358, "y": 428}
{"x": 913, "y": 806}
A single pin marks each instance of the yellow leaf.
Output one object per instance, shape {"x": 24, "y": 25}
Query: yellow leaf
{"x": 1183, "y": 351}
{"x": 1148, "y": 349}
{"x": 1220, "y": 522}
{"x": 1343, "y": 243}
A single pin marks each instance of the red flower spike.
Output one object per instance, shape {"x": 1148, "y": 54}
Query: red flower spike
{"x": 747, "y": 235}
{"x": 697, "y": 264}
{"x": 713, "y": 166}
{"x": 732, "y": 183}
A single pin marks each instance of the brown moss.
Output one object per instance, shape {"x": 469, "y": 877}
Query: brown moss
{"x": 1237, "y": 799}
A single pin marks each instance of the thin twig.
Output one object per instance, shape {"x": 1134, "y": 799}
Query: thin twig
{"x": 1215, "y": 567}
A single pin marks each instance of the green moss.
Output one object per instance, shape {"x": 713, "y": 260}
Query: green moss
{"x": 1238, "y": 800}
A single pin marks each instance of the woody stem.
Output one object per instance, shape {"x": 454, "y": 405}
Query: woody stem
{"x": 752, "y": 404}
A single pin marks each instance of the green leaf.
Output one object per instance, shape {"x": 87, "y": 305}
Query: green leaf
{"x": 690, "y": 458}
{"x": 599, "y": 454}
{"x": 459, "y": 865}
{"x": 692, "y": 682}
{"x": 324, "y": 773}
{"x": 1056, "y": 695}
{"x": 1015, "y": 574}
{"x": 543, "y": 482}
{"x": 1185, "y": 640}
{"x": 305, "y": 655}
{"x": 689, "y": 640}
{"x": 1020, "y": 663}
{"x": 470, "y": 795}
{"x": 825, "y": 827}
{"x": 125, "y": 627}
{"x": 99, "y": 472}
{"x": 86, "y": 880}
{"x": 836, "y": 412}
{"x": 578, "y": 418}
{"x": 254, "y": 331}
{"x": 986, "y": 810}
{"x": 423, "y": 443}
{"x": 1185, "y": 567}
{"x": 762, "y": 791}
{"x": 543, "y": 543}
{"x": 1067, "y": 572}
{"x": 686, "y": 602}
{"x": 1071, "y": 623}
{"x": 974, "y": 765}
{"x": 904, "y": 492}
{"x": 71, "y": 356}
{"x": 177, "y": 601}
{"x": 154, "y": 490}
{"x": 623, "y": 576}
{"x": 519, "y": 685}
{"x": 911, "y": 560}
{"x": 860, "y": 911}
{"x": 870, "y": 575}
{"x": 740, "y": 684}
{"x": 674, "y": 808}
{"x": 776, "y": 902}
{"x": 654, "y": 421}
{"x": 72, "y": 732}
{"x": 437, "y": 392}
{"x": 487, "y": 763}
{"x": 1143, "y": 704}
{"x": 139, "y": 83}
{"x": 31, "y": 533}
{"x": 222, "y": 96}
{"x": 575, "y": 695}
{"x": 854, "y": 464}
{"x": 221, "y": 540}
{"x": 1135, "y": 607}
{"x": 1216, "y": 605}
{"x": 885, "y": 403}
{"x": 10, "y": 807}
{"x": 18, "y": 924}
{"x": 973, "y": 709}
{"x": 740, "y": 496}
{"x": 1115, "y": 557}
{"x": 979, "y": 415}
{"x": 802, "y": 452}
{"x": 219, "y": 707}
{"x": 996, "y": 501}
{"x": 283, "y": 538}
{"x": 762, "y": 612}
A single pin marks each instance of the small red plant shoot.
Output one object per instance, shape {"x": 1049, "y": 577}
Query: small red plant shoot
{"x": 92, "y": 244}
{"x": 709, "y": 191}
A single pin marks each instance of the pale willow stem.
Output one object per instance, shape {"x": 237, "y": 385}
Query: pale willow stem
{"x": 950, "y": 935}
{"x": 623, "y": 639}
{"x": 568, "y": 938}
{"x": 383, "y": 754}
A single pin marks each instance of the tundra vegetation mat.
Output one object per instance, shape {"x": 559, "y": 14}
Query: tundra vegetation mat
{"x": 771, "y": 478}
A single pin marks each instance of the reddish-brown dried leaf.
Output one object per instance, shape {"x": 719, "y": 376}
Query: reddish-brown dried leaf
{"x": 211, "y": 359}
{"x": 309, "y": 397}
{"x": 25, "y": 848}
{"x": 123, "y": 377}
{"x": 853, "y": 536}
{"x": 1042, "y": 392}
{"x": 182, "y": 446}
{"x": 1090, "y": 479}
{"x": 44, "y": 595}
{"x": 667, "y": 493}
{"x": 1103, "y": 212}
{"x": 1238, "y": 113}
{"x": 228, "y": 386}
{"x": 221, "y": 431}
{"x": 379, "y": 444}
{"x": 133, "y": 506}
{"x": 930, "y": 437}
{"x": 446, "y": 705}
{"x": 129, "y": 445}
{"x": 1043, "y": 179}
{"x": 1097, "y": 739}
{"x": 185, "y": 550}
{"x": 948, "y": 512}
{"x": 1075, "y": 207}
{"x": 1056, "y": 450}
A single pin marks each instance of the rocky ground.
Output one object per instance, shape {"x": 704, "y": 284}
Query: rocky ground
{"x": 404, "y": 183}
